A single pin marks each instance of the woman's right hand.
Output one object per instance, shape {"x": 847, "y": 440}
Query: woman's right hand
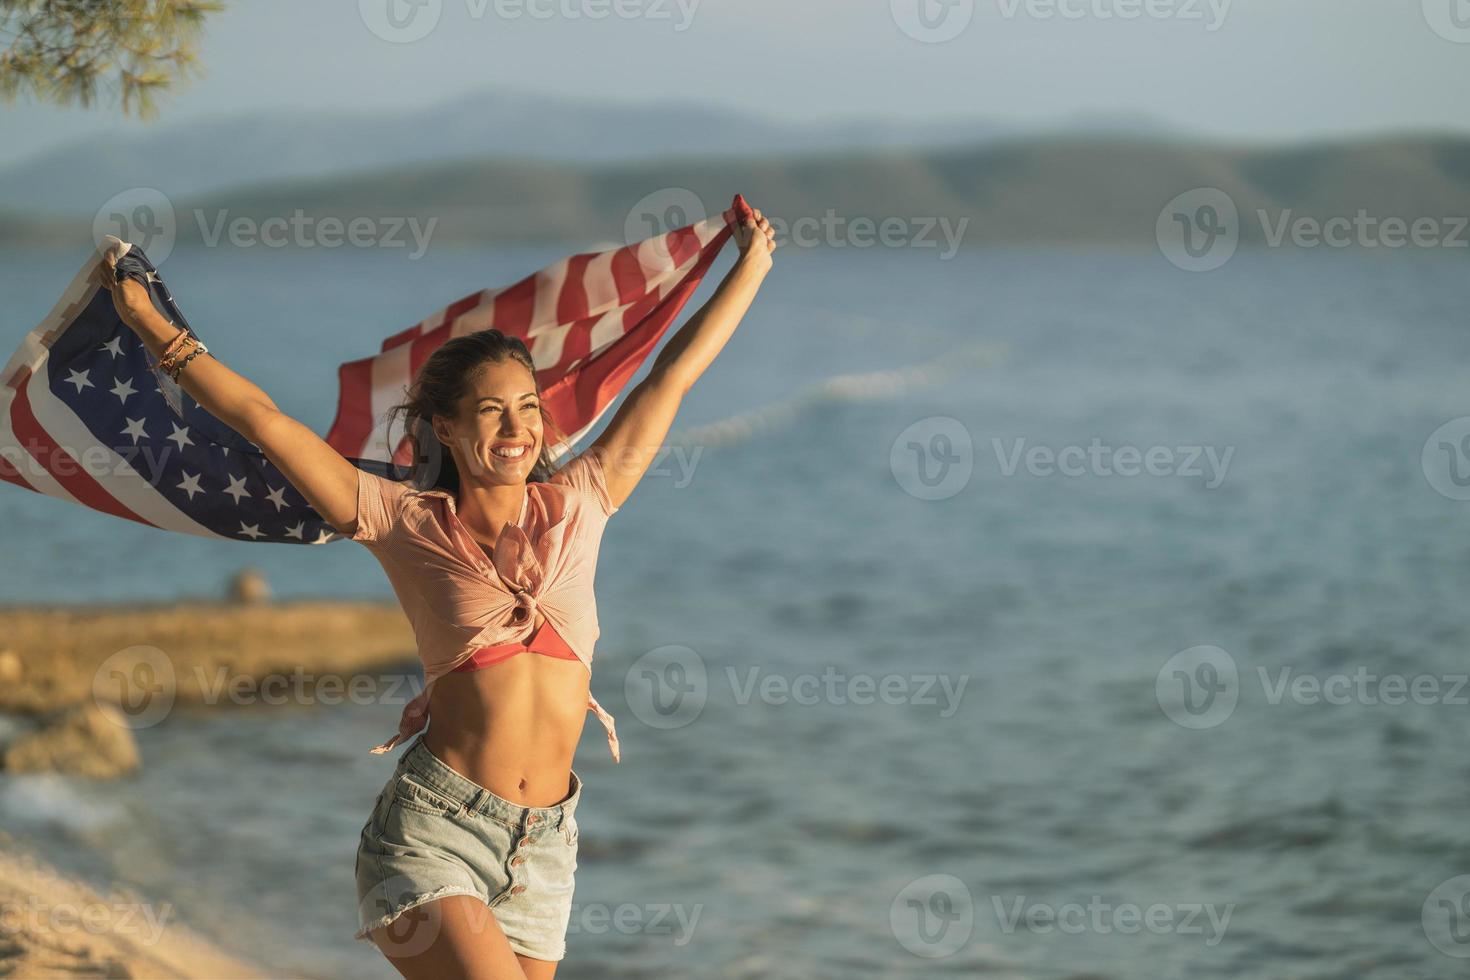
{"x": 129, "y": 298}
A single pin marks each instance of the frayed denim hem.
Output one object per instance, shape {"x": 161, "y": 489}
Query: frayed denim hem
{"x": 552, "y": 956}
{"x": 438, "y": 893}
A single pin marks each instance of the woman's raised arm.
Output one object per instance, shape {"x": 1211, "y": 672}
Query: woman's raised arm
{"x": 636, "y": 433}
{"x": 318, "y": 472}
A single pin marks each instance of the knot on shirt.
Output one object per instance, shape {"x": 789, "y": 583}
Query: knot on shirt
{"x": 525, "y": 607}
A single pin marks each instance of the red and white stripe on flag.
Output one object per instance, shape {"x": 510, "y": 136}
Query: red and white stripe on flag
{"x": 589, "y": 321}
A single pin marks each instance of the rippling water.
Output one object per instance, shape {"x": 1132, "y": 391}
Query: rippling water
{"x": 1020, "y": 766}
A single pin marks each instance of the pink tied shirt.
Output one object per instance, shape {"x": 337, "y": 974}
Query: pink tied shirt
{"x": 458, "y": 598}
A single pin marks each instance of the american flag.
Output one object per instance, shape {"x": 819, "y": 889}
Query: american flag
{"x": 83, "y": 417}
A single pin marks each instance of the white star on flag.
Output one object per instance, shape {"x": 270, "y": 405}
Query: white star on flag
{"x": 253, "y": 530}
{"x": 80, "y": 379}
{"x": 181, "y": 435}
{"x": 277, "y": 497}
{"x": 123, "y": 389}
{"x": 191, "y": 485}
{"x": 237, "y": 489}
{"x": 135, "y": 429}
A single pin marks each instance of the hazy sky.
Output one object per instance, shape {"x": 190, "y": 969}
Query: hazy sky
{"x": 1259, "y": 68}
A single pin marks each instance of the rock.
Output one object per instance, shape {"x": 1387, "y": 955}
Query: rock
{"x": 249, "y": 585}
{"x": 80, "y": 741}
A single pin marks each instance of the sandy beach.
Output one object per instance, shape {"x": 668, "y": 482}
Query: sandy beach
{"x": 57, "y": 688}
{"x": 52, "y": 926}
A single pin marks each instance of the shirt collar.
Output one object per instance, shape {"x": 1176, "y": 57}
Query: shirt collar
{"x": 437, "y": 492}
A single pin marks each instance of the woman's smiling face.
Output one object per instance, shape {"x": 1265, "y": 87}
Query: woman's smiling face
{"x": 496, "y": 436}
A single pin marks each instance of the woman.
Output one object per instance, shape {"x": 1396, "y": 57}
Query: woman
{"x": 465, "y": 865}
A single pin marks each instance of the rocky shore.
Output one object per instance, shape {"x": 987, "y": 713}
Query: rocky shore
{"x": 77, "y": 682}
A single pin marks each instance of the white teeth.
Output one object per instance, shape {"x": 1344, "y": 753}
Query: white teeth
{"x": 515, "y": 453}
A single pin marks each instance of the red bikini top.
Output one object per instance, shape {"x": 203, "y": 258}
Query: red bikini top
{"x": 545, "y": 641}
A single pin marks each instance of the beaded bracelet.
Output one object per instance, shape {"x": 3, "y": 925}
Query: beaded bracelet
{"x": 170, "y": 352}
{"x": 199, "y": 348}
{"x": 170, "y": 360}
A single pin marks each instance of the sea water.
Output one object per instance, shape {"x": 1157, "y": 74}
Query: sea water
{"x": 927, "y": 677}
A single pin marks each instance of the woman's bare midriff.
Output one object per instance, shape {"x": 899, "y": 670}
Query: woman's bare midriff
{"x": 512, "y": 727}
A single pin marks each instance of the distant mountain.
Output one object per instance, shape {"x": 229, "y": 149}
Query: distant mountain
{"x": 1054, "y": 190}
{"x": 190, "y": 158}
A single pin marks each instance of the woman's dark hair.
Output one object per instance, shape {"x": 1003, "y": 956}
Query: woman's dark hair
{"x": 437, "y": 389}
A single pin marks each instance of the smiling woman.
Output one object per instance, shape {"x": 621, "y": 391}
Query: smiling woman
{"x": 488, "y": 546}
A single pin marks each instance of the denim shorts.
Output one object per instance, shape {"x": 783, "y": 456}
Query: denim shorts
{"x": 434, "y": 833}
